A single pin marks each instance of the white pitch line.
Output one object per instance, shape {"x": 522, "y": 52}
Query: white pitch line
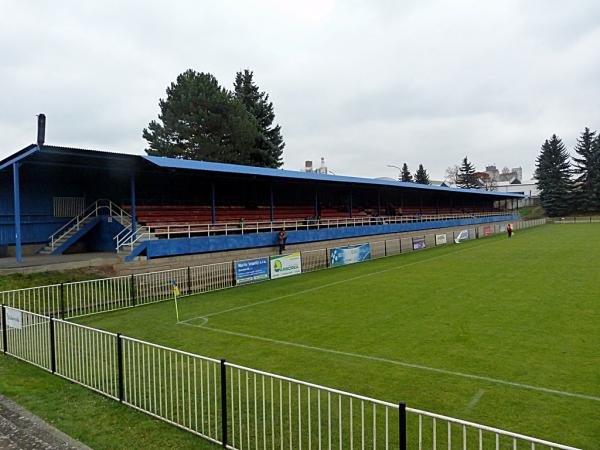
{"x": 333, "y": 283}
{"x": 400, "y": 363}
{"x": 475, "y": 399}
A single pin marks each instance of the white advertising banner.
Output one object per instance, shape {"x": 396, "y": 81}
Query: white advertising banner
{"x": 14, "y": 318}
{"x": 440, "y": 239}
{"x": 286, "y": 265}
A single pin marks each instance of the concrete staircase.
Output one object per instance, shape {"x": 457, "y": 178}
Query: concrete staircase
{"x": 63, "y": 238}
{"x": 81, "y": 224}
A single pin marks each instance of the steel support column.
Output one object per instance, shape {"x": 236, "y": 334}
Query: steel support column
{"x": 17, "y": 211}
{"x": 271, "y": 204}
{"x": 213, "y": 203}
{"x": 133, "y": 208}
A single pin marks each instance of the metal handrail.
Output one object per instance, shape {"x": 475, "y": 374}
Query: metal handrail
{"x": 419, "y": 412}
{"x": 91, "y": 211}
{"x": 170, "y": 231}
{"x": 478, "y": 426}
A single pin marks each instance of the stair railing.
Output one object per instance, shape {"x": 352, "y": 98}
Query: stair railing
{"x": 130, "y": 239}
{"x": 93, "y": 210}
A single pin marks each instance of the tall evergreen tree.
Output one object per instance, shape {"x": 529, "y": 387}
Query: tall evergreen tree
{"x": 405, "y": 175}
{"x": 553, "y": 172}
{"x": 200, "y": 120}
{"x": 466, "y": 175}
{"x": 587, "y": 167}
{"x": 269, "y": 141}
{"x": 421, "y": 176}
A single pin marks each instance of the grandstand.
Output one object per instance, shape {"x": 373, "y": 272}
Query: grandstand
{"x": 57, "y": 200}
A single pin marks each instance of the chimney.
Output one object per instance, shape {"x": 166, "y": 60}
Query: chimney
{"x": 41, "y": 130}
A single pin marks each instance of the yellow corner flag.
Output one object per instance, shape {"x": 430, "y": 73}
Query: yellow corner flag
{"x": 176, "y": 293}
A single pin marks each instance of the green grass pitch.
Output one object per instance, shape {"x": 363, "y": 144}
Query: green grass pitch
{"x": 497, "y": 331}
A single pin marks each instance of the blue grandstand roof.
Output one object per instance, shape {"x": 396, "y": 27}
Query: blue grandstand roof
{"x": 184, "y": 164}
{"x": 58, "y": 154}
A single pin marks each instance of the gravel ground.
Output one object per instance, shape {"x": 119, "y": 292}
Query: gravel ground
{"x": 19, "y": 429}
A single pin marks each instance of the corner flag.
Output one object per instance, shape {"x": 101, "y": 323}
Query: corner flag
{"x": 176, "y": 293}
{"x": 175, "y": 288}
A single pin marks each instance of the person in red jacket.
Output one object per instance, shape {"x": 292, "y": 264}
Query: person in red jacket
{"x": 509, "y": 230}
{"x": 281, "y": 238}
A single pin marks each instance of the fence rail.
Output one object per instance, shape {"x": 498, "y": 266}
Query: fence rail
{"x": 235, "y": 406}
{"x": 576, "y": 219}
{"x": 173, "y": 231}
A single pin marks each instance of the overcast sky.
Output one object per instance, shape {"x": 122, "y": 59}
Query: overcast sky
{"x": 362, "y": 83}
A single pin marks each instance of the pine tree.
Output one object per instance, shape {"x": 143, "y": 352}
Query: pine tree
{"x": 405, "y": 175}
{"x": 270, "y": 142}
{"x": 587, "y": 167}
{"x": 466, "y": 175}
{"x": 200, "y": 120}
{"x": 421, "y": 176}
{"x": 553, "y": 172}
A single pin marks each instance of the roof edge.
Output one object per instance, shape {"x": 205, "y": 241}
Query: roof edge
{"x": 206, "y": 166}
{"x": 18, "y": 156}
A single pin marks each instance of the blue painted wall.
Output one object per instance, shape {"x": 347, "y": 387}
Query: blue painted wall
{"x": 100, "y": 237}
{"x": 173, "y": 247}
{"x": 39, "y": 186}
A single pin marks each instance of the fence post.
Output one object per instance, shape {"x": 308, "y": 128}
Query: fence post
{"x": 402, "y": 425}
{"x": 52, "y": 347}
{"x": 189, "y": 280}
{"x": 4, "y": 332}
{"x": 132, "y": 290}
{"x": 62, "y": 301}
{"x": 224, "y": 402}
{"x": 120, "y": 365}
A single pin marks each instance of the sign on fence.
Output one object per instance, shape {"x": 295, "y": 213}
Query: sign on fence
{"x": 440, "y": 239}
{"x": 251, "y": 270}
{"x": 487, "y": 231}
{"x": 14, "y": 318}
{"x": 464, "y": 234}
{"x": 349, "y": 255}
{"x": 418, "y": 243}
{"x": 286, "y": 265}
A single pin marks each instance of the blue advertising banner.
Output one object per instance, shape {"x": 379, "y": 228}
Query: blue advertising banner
{"x": 251, "y": 270}
{"x": 418, "y": 243}
{"x": 349, "y": 255}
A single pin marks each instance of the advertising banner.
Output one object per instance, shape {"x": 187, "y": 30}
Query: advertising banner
{"x": 487, "y": 231}
{"x": 464, "y": 234}
{"x": 440, "y": 239}
{"x": 14, "y": 318}
{"x": 251, "y": 270}
{"x": 418, "y": 243}
{"x": 286, "y": 265}
{"x": 349, "y": 255}
{"x": 502, "y": 228}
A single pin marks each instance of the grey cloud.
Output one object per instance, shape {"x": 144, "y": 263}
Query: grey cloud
{"x": 364, "y": 84}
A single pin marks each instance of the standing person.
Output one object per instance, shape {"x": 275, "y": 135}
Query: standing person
{"x": 509, "y": 230}
{"x": 281, "y": 238}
